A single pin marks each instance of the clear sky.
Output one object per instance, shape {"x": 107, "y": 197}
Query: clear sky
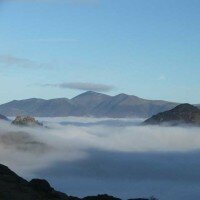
{"x": 59, "y": 48}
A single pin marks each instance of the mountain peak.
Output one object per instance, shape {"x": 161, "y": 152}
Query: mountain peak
{"x": 186, "y": 107}
{"x": 91, "y": 93}
{"x": 181, "y": 114}
{"x": 89, "y": 99}
{"x": 122, "y": 95}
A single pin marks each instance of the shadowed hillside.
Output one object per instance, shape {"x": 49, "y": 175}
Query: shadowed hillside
{"x": 181, "y": 114}
{"x": 13, "y": 187}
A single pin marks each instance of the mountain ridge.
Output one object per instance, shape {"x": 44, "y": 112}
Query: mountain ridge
{"x": 181, "y": 114}
{"x": 89, "y": 104}
{"x": 13, "y": 187}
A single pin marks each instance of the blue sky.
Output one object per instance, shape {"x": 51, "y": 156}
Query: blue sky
{"x": 148, "y": 48}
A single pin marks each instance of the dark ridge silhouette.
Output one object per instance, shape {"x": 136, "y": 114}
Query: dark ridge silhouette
{"x": 181, "y": 114}
{"x": 13, "y": 187}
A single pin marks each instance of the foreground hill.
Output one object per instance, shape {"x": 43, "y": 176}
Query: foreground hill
{"x": 87, "y": 104}
{"x": 13, "y": 187}
{"x": 182, "y": 114}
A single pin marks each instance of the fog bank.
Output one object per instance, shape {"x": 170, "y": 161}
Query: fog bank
{"x": 83, "y": 156}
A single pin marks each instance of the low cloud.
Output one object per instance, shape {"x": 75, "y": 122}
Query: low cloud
{"x": 97, "y": 156}
{"x": 82, "y": 86}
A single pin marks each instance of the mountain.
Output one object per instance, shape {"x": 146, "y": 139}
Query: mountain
{"x": 39, "y": 107}
{"x": 181, "y": 114}
{"x": 16, "y": 188}
{"x": 124, "y": 105}
{"x": 87, "y": 104}
{"x": 13, "y": 187}
{"x": 89, "y": 100}
{"x": 23, "y": 107}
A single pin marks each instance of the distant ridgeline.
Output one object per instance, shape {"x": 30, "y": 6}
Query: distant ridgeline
{"x": 182, "y": 114}
{"x": 87, "y": 104}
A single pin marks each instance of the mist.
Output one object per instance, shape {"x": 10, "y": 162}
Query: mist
{"x": 86, "y": 156}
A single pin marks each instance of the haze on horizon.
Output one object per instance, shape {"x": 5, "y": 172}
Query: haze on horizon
{"x": 51, "y": 49}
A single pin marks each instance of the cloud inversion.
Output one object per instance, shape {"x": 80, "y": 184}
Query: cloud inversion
{"x": 99, "y": 157}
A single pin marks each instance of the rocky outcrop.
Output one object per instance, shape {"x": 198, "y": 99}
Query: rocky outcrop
{"x": 182, "y": 114}
{"x": 26, "y": 121}
{"x": 16, "y": 188}
{"x": 13, "y": 187}
{"x": 101, "y": 197}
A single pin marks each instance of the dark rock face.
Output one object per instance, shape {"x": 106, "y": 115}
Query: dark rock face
{"x": 41, "y": 185}
{"x": 13, "y": 187}
{"x": 182, "y": 114}
{"x": 141, "y": 199}
{"x": 26, "y": 121}
{"x": 16, "y": 188}
{"x": 101, "y": 197}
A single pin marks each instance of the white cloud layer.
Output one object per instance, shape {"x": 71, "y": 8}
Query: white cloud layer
{"x": 66, "y": 142}
{"x": 116, "y": 151}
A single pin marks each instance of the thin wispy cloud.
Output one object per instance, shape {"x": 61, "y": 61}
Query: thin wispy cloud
{"x": 14, "y": 61}
{"x": 82, "y": 86}
{"x": 10, "y": 60}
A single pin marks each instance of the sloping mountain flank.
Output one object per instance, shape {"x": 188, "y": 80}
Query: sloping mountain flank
{"x": 181, "y": 114}
{"x": 87, "y": 104}
{"x": 13, "y": 187}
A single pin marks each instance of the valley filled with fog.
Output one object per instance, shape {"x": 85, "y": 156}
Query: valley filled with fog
{"x": 86, "y": 156}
